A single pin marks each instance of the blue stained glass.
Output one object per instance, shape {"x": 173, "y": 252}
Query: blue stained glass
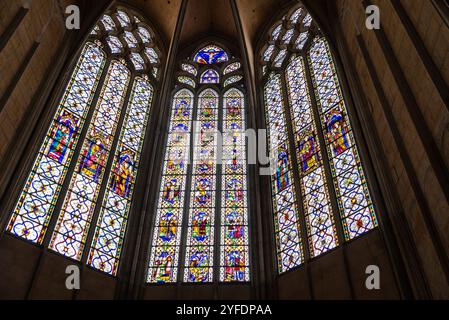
{"x": 210, "y": 76}
{"x": 211, "y": 55}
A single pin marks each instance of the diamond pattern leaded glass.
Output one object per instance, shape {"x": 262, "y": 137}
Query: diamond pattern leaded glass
{"x": 37, "y": 200}
{"x": 110, "y": 230}
{"x": 75, "y": 218}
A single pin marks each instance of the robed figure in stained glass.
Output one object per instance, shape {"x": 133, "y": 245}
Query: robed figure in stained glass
{"x": 121, "y": 182}
{"x": 92, "y": 162}
{"x": 308, "y": 152}
{"x": 163, "y": 267}
{"x": 234, "y": 269}
{"x": 168, "y": 226}
{"x": 171, "y": 191}
{"x": 200, "y": 226}
{"x": 337, "y": 133}
{"x": 62, "y": 134}
{"x": 281, "y": 170}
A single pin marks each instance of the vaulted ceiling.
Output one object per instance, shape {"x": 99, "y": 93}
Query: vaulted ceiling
{"x": 209, "y": 17}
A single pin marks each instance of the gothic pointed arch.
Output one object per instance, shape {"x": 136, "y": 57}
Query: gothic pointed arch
{"x": 77, "y": 197}
{"x": 320, "y": 194}
{"x": 200, "y": 234}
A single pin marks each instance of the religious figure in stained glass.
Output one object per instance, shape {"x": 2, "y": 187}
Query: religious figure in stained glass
{"x": 343, "y": 176}
{"x": 210, "y": 55}
{"x": 62, "y": 135}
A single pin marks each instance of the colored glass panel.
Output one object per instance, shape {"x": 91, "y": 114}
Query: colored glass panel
{"x": 286, "y": 214}
{"x": 232, "y": 67}
{"x": 75, "y": 217}
{"x": 199, "y": 259}
{"x": 354, "y": 200}
{"x": 210, "y": 55}
{"x": 234, "y": 236}
{"x": 36, "y": 202}
{"x": 111, "y": 226}
{"x": 189, "y": 68}
{"x": 210, "y": 76}
{"x": 187, "y": 81}
{"x": 321, "y": 230}
{"x": 232, "y": 80}
{"x": 164, "y": 257}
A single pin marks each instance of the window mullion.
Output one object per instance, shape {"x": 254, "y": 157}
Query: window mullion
{"x": 76, "y": 154}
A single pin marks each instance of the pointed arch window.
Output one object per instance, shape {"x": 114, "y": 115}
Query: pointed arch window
{"x": 201, "y": 225}
{"x": 77, "y": 197}
{"x": 320, "y": 196}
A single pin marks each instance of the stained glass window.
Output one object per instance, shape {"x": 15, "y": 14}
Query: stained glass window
{"x": 155, "y": 72}
{"x": 268, "y": 53}
{"x": 137, "y": 61}
{"x": 288, "y": 36}
{"x": 307, "y": 20}
{"x": 111, "y": 116}
{"x": 110, "y": 231}
{"x": 309, "y": 127}
{"x": 295, "y": 16}
{"x": 314, "y": 188}
{"x": 189, "y": 68}
{"x": 187, "y": 81}
{"x": 280, "y": 58}
{"x": 276, "y": 32}
{"x": 301, "y": 40}
{"x": 36, "y": 203}
{"x": 203, "y": 201}
{"x": 123, "y": 18}
{"x": 144, "y": 34}
{"x": 354, "y": 200}
{"x": 232, "y": 67}
{"x": 232, "y": 80}
{"x": 199, "y": 259}
{"x": 76, "y": 214}
{"x": 286, "y": 213}
{"x": 164, "y": 259}
{"x": 108, "y": 23}
{"x": 130, "y": 39}
{"x": 234, "y": 242}
{"x": 114, "y": 44}
{"x": 210, "y": 55}
{"x": 210, "y": 76}
{"x": 151, "y": 55}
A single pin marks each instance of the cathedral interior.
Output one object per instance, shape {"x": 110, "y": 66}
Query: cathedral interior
{"x": 114, "y": 116}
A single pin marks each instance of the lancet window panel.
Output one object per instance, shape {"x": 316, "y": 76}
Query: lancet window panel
{"x": 354, "y": 199}
{"x": 199, "y": 259}
{"x": 285, "y": 208}
{"x": 234, "y": 233}
{"x": 38, "y": 198}
{"x": 164, "y": 259}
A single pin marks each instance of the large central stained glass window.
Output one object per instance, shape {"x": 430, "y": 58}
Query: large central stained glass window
{"x": 320, "y": 197}
{"x": 77, "y": 198}
{"x": 200, "y": 233}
